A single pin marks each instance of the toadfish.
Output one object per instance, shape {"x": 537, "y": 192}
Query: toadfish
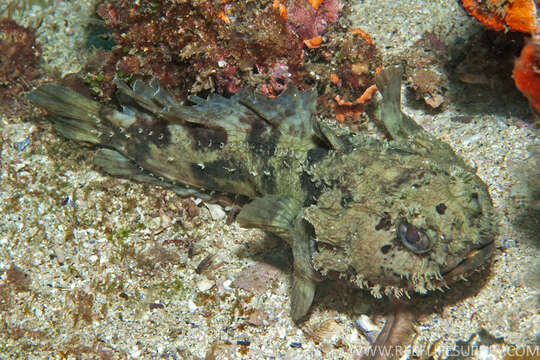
{"x": 394, "y": 217}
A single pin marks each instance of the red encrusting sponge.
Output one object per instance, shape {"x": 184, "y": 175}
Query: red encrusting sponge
{"x": 527, "y": 72}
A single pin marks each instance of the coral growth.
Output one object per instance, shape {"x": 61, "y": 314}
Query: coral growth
{"x": 430, "y": 85}
{"x": 346, "y": 68}
{"x": 310, "y": 19}
{"x": 516, "y": 15}
{"x": 204, "y": 46}
{"x": 344, "y": 109}
{"x": 193, "y": 46}
{"x": 426, "y": 62}
{"x": 19, "y": 60}
{"x": 527, "y": 73}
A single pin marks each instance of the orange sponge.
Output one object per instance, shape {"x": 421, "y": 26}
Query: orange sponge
{"x": 527, "y": 73}
{"x": 516, "y": 15}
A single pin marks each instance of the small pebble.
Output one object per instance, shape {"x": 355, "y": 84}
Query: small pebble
{"x": 462, "y": 119}
{"x": 205, "y": 284}
{"x": 22, "y": 145}
{"x": 367, "y": 327}
{"x": 156, "y": 306}
{"x": 192, "y": 306}
{"x": 243, "y": 342}
{"x": 59, "y": 254}
{"x": 295, "y": 345}
{"x": 227, "y": 285}
{"x": 135, "y": 352}
{"x": 216, "y": 211}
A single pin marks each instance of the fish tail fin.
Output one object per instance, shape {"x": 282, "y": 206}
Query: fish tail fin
{"x": 73, "y": 115}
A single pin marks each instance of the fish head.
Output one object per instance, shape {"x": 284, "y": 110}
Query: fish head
{"x": 403, "y": 224}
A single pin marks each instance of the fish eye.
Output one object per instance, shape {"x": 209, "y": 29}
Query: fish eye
{"x": 413, "y": 238}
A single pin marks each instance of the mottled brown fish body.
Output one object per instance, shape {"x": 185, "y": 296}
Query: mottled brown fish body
{"x": 228, "y": 145}
{"x": 394, "y": 217}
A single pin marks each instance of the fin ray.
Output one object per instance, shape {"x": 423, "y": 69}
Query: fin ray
{"x": 273, "y": 213}
{"x": 291, "y": 111}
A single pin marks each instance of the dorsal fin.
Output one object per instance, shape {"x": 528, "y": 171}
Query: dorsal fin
{"x": 291, "y": 111}
{"x": 141, "y": 95}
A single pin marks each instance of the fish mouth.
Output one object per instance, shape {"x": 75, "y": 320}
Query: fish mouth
{"x": 471, "y": 261}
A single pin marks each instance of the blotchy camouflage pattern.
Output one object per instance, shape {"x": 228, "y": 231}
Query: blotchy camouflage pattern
{"x": 393, "y": 217}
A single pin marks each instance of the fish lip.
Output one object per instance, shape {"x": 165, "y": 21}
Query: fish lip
{"x": 474, "y": 259}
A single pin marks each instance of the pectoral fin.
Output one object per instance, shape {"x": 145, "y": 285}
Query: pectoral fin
{"x": 305, "y": 278}
{"x": 283, "y": 216}
{"x": 303, "y": 291}
{"x": 272, "y": 213}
